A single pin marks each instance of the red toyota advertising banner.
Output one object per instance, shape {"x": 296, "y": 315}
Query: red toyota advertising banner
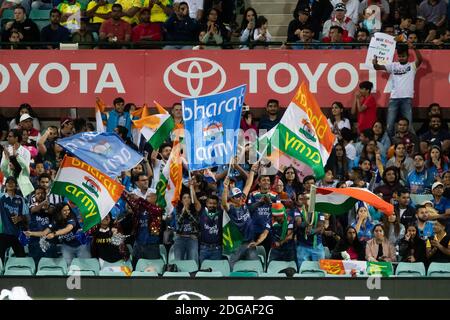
{"x": 75, "y": 78}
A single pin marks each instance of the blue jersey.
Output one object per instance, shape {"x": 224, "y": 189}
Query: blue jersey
{"x": 419, "y": 182}
{"x": 9, "y": 207}
{"x": 242, "y": 219}
{"x": 210, "y": 228}
{"x": 261, "y": 213}
{"x": 143, "y": 236}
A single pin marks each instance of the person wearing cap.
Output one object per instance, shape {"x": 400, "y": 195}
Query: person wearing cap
{"x": 440, "y": 203}
{"x": 280, "y": 229}
{"x": 26, "y": 123}
{"x": 352, "y": 7}
{"x": 340, "y": 20}
{"x": 301, "y": 19}
{"x": 426, "y": 32}
{"x": 14, "y": 214}
{"x": 239, "y": 214}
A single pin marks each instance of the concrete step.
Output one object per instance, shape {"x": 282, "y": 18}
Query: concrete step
{"x": 278, "y": 30}
{"x": 263, "y": 8}
{"x": 279, "y": 38}
{"x": 278, "y": 19}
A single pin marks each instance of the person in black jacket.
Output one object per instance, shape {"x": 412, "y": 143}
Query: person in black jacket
{"x": 180, "y": 27}
{"x": 28, "y": 30}
{"x": 349, "y": 247}
{"x": 301, "y": 19}
{"x": 403, "y": 207}
{"x": 320, "y": 12}
{"x": 412, "y": 247}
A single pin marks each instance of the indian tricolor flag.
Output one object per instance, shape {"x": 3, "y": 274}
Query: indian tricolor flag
{"x": 156, "y": 128}
{"x": 91, "y": 190}
{"x": 168, "y": 189}
{"x": 338, "y": 201}
{"x": 99, "y": 109}
{"x": 231, "y": 236}
{"x": 303, "y": 137}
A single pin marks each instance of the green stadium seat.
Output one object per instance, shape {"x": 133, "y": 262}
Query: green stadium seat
{"x": 18, "y": 272}
{"x": 162, "y": 251}
{"x": 408, "y": 269}
{"x": 311, "y": 267}
{"x": 262, "y": 256}
{"x": 222, "y": 266}
{"x": 81, "y": 273}
{"x": 144, "y": 274}
{"x": 15, "y": 264}
{"x": 171, "y": 256}
{"x": 214, "y": 274}
{"x": 276, "y": 266}
{"x": 41, "y": 24}
{"x": 186, "y": 265}
{"x": 272, "y": 275}
{"x": 310, "y": 275}
{"x": 1, "y": 266}
{"x": 248, "y": 265}
{"x": 51, "y": 272}
{"x": 176, "y": 274}
{"x": 112, "y": 274}
{"x": 8, "y": 14}
{"x": 439, "y": 269}
{"x": 88, "y": 266}
{"x": 244, "y": 274}
{"x": 53, "y": 264}
{"x": 143, "y": 264}
{"x": 420, "y": 198}
{"x": 40, "y": 14}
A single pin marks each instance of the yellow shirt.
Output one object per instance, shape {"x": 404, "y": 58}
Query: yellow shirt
{"x": 157, "y": 14}
{"x": 127, "y": 5}
{"x": 428, "y": 243}
{"x": 104, "y": 9}
{"x": 72, "y": 23}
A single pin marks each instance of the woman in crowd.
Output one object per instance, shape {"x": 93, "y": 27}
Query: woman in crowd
{"x": 14, "y": 165}
{"x": 363, "y": 224}
{"x": 380, "y": 248}
{"x": 349, "y": 247}
{"x": 381, "y": 135}
{"x": 332, "y": 231}
{"x": 393, "y": 229}
{"x": 402, "y": 161}
{"x": 412, "y": 247}
{"x": 437, "y": 163}
{"x": 339, "y": 162}
{"x": 248, "y": 27}
{"x": 292, "y": 184}
{"x": 337, "y": 120}
{"x": 391, "y": 183}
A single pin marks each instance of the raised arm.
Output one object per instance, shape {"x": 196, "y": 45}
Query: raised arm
{"x": 226, "y": 185}
{"x": 377, "y": 66}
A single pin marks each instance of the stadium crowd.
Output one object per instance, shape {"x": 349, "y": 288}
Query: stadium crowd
{"x": 212, "y": 24}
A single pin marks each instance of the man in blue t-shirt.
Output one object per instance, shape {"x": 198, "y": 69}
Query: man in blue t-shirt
{"x": 424, "y": 226}
{"x": 418, "y": 180}
{"x": 13, "y": 218}
{"x": 240, "y": 215}
{"x": 210, "y": 231}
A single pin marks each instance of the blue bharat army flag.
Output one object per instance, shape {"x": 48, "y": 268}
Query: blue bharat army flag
{"x": 211, "y": 127}
{"x": 102, "y": 150}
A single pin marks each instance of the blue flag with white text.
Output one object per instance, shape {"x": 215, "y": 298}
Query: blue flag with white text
{"x": 211, "y": 126}
{"x": 103, "y": 150}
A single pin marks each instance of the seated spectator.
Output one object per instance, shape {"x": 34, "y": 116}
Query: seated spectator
{"x": 28, "y": 30}
{"x": 391, "y": 183}
{"x": 436, "y": 163}
{"x": 25, "y": 108}
{"x": 408, "y": 138}
{"x": 320, "y": 13}
{"x": 388, "y": 29}
{"x": 248, "y": 26}
{"x": 306, "y": 39}
{"x": 54, "y": 32}
{"x": 332, "y": 231}
{"x": 365, "y": 106}
{"x": 434, "y": 11}
{"x": 438, "y": 249}
{"x": 130, "y": 10}
{"x": 426, "y": 32}
{"x": 26, "y": 124}
{"x": 371, "y": 152}
{"x": 338, "y": 120}
{"x": 403, "y": 208}
{"x": 14, "y": 40}
{"x": 71, "y": 14}
{"x": 403, "y": 29}
{"x": 146, "y": 30}
{"x": 349, "y": 247}
{"x": 181, "y": 27}
{"x": 412, "y": 247}
{"x": 446, "y": 182}
{"x": 103, "y": 246}
{"x": 433, "y": 110}
{"x": 440, "y": 203}
{"x": 365, "y": 137}
{"x": 412, "y": 37}
{"x": 341, "y": 20}
{"x": 98, "y": 11}
{"x": 419, "y": 180}
{"x": 381, "y": 136}
{"x": 444, "y": 38}
{"x": 401, "y": 161}
{"x": 115, "y": 29}
{"x": 347, "y": 141}
{"x": 66, "y": 128}
{"x": 362, "y": 35}
{"x": 271, "y": 117}
{"x": 379, "y": 248}
{"x": 44, "y": 181}
{"x": 351, "y": 7}
{"x": 393, "y": 229}
{"x": 65, "y": 227}
{"x": 339, "y": 162}
{"x": 262, "y": 33}
{"x": 328, "y": 180}
{"x": 424, "y": 226}
{"x": 382, "y": 4}
{"x": 14, "y": 215}
{"x": 301, "y": 19}
{"x": 371, "y": 19}
{"x": 213, "y": 32}
{"x": 81, "y": 36}
{"x": 363, "y": 225}
{"x": 436, "y": 135}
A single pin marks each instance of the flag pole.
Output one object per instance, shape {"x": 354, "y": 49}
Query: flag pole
{"x": 311, "y": 207}
{"x": 191, "y": 188}
{"x": 229, "y": 166}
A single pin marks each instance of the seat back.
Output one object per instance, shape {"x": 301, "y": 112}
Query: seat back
{"x": 311, "y": 267}
{"x": 408, "y": 269}
{"x": 248, "y": 265}
{"x": 26, "y": 263}
{"x": 186, "y": 265}
{"x": 53, "y": 264}
{"x": 143, "y": 264}
{"x": 40, "y": 14}
{"x": 176, "y": 274}
{"x": 439, "y": 269}
{"x": 163, "y": 252}
{"x": 276, "y": 266}
{"x": 215, "y": 274}
{"x": 144, "y": 274}
{"x": 222, "y": 266}
{"x": 89, "y": 266}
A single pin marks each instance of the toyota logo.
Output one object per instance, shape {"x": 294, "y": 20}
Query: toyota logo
{"x": 183, "y": 295}
{"x": 195, "y": 70}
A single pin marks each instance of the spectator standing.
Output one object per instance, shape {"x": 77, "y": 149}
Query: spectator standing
{"x": 272, "y": 116}
{"x": 403, "y": 75}
{"x": 118, "y": 116}
{"x": 210, "y": 231}
{"x": 365, "y": 106}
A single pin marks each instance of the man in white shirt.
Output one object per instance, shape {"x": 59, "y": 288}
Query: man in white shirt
{"x": 340, "y": 19}
{"x": 14, "y": 142}
{"x": 352, "y": 7}
{"x": 142, "y": 190}
{"x": 403, "y": 74}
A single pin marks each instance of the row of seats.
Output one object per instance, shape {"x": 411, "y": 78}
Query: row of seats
{"x": 218, "y": 268}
